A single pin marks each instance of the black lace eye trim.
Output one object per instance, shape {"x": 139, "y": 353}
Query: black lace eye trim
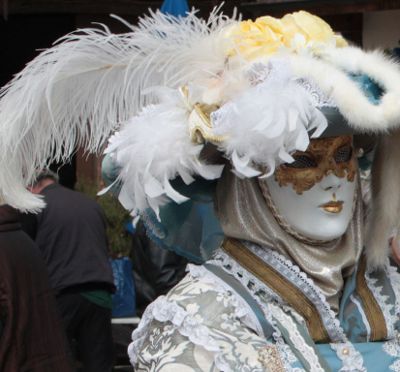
{"x": 343, "y": 154}
{"x": 302, "y": 161}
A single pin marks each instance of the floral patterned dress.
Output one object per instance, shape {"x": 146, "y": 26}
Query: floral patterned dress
{"x": 224, "y": 317}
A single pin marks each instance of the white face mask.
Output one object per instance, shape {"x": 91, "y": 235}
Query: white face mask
{"x": 323, "y": 212}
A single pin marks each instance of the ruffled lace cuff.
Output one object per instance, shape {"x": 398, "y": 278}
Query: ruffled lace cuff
{"x": 186, "y": 323}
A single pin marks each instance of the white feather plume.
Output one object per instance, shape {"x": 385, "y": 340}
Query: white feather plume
{"x": 262, "y": 125}
{"x": 267, "y": 122}
{"x": 154, "y": 148}
{"x": 78, "y": 91}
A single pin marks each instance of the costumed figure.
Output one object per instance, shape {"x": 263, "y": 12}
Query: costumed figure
{"x": 236, "y": 146}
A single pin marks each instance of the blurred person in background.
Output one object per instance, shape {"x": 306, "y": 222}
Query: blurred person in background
{"x": 155, "y": 270}
{"x": 31, "y": 333}
{"x": 71, "y": 235}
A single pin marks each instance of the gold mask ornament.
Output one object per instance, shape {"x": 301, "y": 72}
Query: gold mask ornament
{"x": 323, "y": 156}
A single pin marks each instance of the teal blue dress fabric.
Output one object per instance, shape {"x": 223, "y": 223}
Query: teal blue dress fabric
{"x": 229, "y": 333}
{"x": 190, "y": 229}
{"x": 194, "y": 218}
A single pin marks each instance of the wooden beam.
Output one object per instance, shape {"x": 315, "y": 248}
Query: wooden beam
{"x": 247, "y": 7}
{"x": 122, "y": 7}
{"x": 321, "y": 7}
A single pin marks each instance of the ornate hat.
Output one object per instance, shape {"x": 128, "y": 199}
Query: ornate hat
{"x": 256, "y": 90}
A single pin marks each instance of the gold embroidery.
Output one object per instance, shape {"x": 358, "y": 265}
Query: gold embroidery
{"x": 291, "y": 294}
{"x": 270, "y": 359}
{"x": 321, "y": 158}
{"x": 372, "y": 310}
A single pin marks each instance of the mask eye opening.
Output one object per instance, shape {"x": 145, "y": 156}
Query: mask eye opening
{"x": 302, "y": 161}
{"x": 343, "y": 154}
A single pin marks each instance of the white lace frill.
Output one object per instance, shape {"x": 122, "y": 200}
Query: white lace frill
{"x": 242, "y": 309}
{"x": 271, "y": 312}
{"x": 392, "y": 348}
{"x": 163, "y": 311}
{"x": 297, "y": 339}
{"x": 306, "y": 285}
{"x": 293, "y": 273}
{"x": 188, "y": 324}
{"x": 351, "y": 359}
{"x": 394, "y": 278}
{"x": 382, "y": 300}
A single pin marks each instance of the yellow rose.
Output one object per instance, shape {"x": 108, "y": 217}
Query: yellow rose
{"x": 274, "y": 24}
{"x": 266, "y": 35}
{"x": 340, "y": 41}
{"x": 313, "y": 28}
{"x": 254, "y": 39}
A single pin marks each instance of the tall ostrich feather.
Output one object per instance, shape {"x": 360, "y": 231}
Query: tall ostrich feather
{"x": 80, "y": 90}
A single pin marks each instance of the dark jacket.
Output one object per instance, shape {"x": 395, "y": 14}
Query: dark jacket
{"x": 31, "y": 338}
{"x": 156, "y": 270}
{"x": 71, "y": 235}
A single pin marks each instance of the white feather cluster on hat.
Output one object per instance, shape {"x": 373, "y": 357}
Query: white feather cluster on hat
{"x": 171, "y": 82}
{"x": 155, "y": 146}
{"x": 152, "y": 149}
